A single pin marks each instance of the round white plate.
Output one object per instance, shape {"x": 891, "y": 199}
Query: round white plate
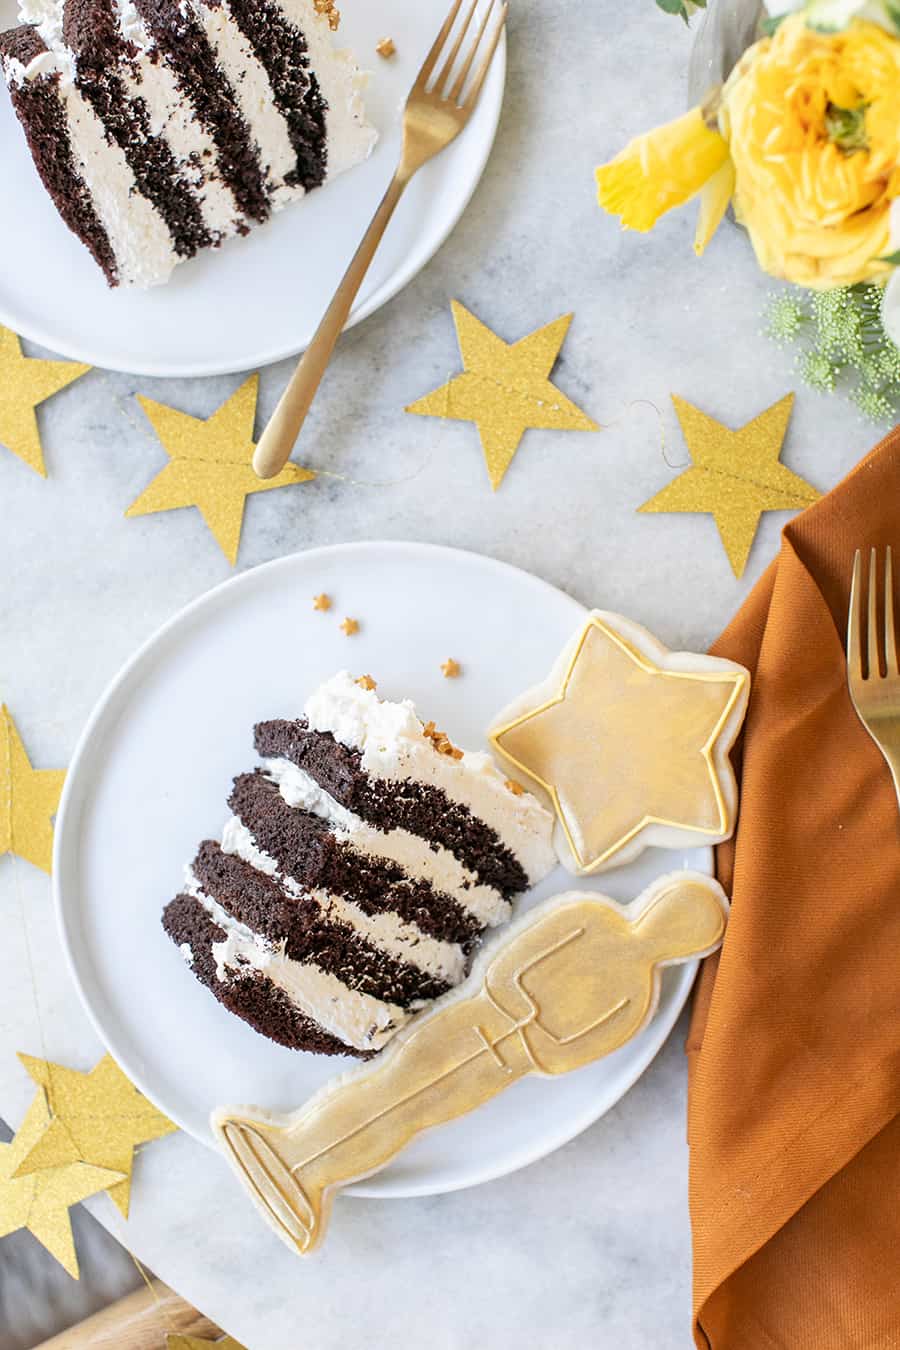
{"x": 151, "y": 774}
{"x": 256, "y": 299}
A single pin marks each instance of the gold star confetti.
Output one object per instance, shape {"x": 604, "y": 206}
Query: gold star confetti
{"x": 210, "y": 465}
{"x": 24, "y": 383}
{"x": 97, "y": 1118}
{"x": 735, "y": 476}
{"x": 349, "y": 627}
{"x": 452, "y": 669}
{"x": 505, "y": 389}
{"x": 322, "y": 603}
{"x": 175, "y": 1341}
{"x": 366, "y": 682}
{"x": 28, "y": 799}
{"x": 40, "y": 1201}
{"x": 626, "y": 736}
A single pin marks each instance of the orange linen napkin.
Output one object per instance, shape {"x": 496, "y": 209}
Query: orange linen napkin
{"x": 794, "y": 1048}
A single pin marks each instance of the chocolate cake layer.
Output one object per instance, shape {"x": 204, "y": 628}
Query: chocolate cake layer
{"x": 190, "y": 56}
{"x": 282, "y": 51}
{"x": 306, "y": 850}
{"x": 91, "y": 31}
{"x": 257, "y": 901}
{"x": 420, "y": 808}
{"x": 46, "y": 131}
{"x": 252, "y": 997}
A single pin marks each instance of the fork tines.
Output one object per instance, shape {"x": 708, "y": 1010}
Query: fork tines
{"x": 880, "y": 638}
{"x": 441, "y": 85}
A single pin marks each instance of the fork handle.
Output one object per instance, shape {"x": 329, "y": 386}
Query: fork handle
{"x": 277, "y": 441}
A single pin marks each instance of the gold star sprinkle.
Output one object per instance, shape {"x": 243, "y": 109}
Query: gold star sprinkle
{"x": 386, "y": 48}
{"x": 26, "y": 382}
{"x": 175, "y": 1341}
{"x": 28, "y": 799}
{"x": 40, "y": 1202}
{"x": 505, "y": 389}
{"x": 322, "y": 603}
{"x": 366, "y": 682}
{"x": 735, "y": 476}
{"x": 97, "y": 1118}
{"x": 441, "y": 741}
{"x": 452, "y": 669}
{"x": 210, "y": 465}
{"x": 515, "y": 788}
{"x": 631, "y": 743}
{"x": 349, "y": 627}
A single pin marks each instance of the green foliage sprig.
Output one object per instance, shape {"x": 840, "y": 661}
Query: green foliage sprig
{"x": 683, "y": 8}
{"x": 841, "y": 344}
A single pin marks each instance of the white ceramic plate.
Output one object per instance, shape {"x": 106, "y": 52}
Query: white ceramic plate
{"x": 256, "y": 299}
{"x": 151, "y": 774}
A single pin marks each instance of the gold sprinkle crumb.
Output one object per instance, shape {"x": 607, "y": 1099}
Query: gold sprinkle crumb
{"x": 452, "y": 669}
{"x": 349, "y": 627}
{"x": 366, "y": 682}
{"x": 331, "y": 12}
{"x": 322, "y": 602}
{"x": 515, "y": 788}
{"x": 387, "y": 48}
{"x": 441, "y": 741}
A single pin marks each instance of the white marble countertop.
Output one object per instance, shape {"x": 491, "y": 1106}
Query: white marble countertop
{"x": 592, "y": 1245}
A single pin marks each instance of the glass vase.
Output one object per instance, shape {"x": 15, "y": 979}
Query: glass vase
{"x": 727, "y": 29}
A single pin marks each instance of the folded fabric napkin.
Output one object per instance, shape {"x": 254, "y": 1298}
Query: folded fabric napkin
{"x": 794, "y": 1048}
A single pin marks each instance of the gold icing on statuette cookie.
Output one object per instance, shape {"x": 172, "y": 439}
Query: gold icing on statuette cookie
{"x": 631, "y": 743}
{"x": 572, "y": 981}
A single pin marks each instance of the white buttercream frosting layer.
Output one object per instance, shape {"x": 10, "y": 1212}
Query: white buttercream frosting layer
{"x": 357, "y": 1019}
{"x": 394, "y": 747}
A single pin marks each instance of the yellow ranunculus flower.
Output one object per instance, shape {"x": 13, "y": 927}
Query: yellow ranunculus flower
{"x": 662, "y": 169}
{"x": 813, "y": 124}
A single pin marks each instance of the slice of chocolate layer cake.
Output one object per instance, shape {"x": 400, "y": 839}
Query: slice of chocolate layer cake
{"x": 362, "y": 862}
{"x": 162, "y": 127}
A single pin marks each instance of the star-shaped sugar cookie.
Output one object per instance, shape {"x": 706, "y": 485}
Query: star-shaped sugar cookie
{"x": 631, "y": 742}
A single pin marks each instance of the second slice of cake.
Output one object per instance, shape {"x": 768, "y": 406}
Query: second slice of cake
{"x": 361, "y": 865}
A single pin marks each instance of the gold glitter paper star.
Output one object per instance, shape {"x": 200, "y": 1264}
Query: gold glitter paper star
{"x": 40, "y": 1202}
{"x": 625, "y": 737}
{"x": 349, "y": 627}
{"x": 452, "y": 669}
{"x": 210, "y": 465}
{"x": 28, "y": 799}
{"x": 175, "y": 1341}
{"x": 26, "y": 382}
{"x": 735, "y": 476}
{"x": 322, "y": 603}
{"x": 505, "y": 389}
{"x": 98, "y": 1118}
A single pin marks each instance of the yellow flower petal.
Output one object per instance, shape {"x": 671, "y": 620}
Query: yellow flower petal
{"x": 714, "y": 199}
{"x": 659, "y": 170}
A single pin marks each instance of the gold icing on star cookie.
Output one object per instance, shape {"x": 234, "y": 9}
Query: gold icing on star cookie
{"x": 570, "y": 982}
{"x": 631, "y": 743}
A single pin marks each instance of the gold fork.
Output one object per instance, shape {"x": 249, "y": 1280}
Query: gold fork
{"x": 876, "y": 696}
{"x": 436, "y": 112}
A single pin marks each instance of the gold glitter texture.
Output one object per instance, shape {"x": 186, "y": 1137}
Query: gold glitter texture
{"x": 735, "y": 475}
{"x": 97, "y": 1118}
{"x": 505, "y": 389}
{"x": 40, "y": 1201}
{"x": 625, "y": 736}
{"x": 28, "y": 799}
{"x": 175, "y": 1341}
{"x": 26, "y": 382}
{"x": 210, "y": 465}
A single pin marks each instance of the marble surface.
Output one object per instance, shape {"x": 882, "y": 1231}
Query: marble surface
{"x": 593, "y": 1243}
